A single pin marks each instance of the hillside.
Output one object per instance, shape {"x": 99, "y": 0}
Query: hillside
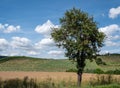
{"x": 33, "y": 64}
{"x": 22, "y": 63}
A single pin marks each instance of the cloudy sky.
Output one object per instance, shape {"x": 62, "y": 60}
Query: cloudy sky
{"x": 25, "y": 25}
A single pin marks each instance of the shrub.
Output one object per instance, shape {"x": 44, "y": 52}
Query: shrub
{"x": 98, "y": 71}
{"x": 71, "y": 70}
{"x": 100, "y": 62}
{"x": 116, "y": 71}
{"x": 89, "y": 71}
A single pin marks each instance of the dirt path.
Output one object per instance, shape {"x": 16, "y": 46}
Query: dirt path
{"x": 59, "y": 76}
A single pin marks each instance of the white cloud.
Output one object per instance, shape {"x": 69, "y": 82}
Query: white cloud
{"x": 112, "y": 34}
{"x": 111, "y": 43}
{"x": 12, "y": 28}
{"x": 115, "y": 37}
{"x": 3, "y": 44}
{"x": 32, "y": 53}
{"x": 114, "y": 12}
{"x": 45, "y": 42}
{"x": 55, "y": 52}
{"x": 20, "y": 42}
{"x": 45, "y": 28}
{"x": 108, "y": 30}
{"x": 6, "y": 28}
{"x": 1, "y": 27}
{"x": 6, "y": 25}
{"x": 22, "y": 46}
{"x": 14, "y": 53}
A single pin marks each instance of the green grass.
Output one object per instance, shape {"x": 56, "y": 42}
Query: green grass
{"x": 34, "y": 64}
{"x": 112, "y": 63}
{"x": 106, "y": 86}
{"x": 22, "y": 63}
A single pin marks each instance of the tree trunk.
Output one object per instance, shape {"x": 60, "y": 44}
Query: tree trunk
{"x": 79, "y": 79}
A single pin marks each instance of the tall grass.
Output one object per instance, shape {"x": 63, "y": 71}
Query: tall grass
{"x": 101, "y": 81}
{"x": 32, "y": 83}
{"x": 104, "y": 80}
{"x": 19, "y": 83}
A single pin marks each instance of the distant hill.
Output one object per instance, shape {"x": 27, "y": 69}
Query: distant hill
{"x": 2, "y": 57}
{"x": 22, "y": 63}
{"x": 111, "y": 54}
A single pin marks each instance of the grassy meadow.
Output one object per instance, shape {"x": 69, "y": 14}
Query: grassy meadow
{"x": 22, "y": 63}
{"x": 34, "y": 64}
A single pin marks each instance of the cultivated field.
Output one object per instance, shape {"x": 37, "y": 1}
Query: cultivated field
{"x": 57, "y": 76}
{"x": 46, "y": 70}
{"x": 51, "y": 65}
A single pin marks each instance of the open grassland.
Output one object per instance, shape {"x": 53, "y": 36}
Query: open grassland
{"x": 51, "y": 65}
{"x": 34, "y": 64}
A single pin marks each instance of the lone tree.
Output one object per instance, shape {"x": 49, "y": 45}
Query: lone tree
{"x": 79, "y": 36}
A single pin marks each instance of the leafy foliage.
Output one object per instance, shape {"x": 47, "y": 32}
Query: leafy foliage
{"x": 79, "y": 36}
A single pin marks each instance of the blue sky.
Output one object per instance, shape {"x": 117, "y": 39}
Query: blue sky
{"x": 25, "y": 25}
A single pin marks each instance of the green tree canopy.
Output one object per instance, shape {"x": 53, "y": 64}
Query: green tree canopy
{"x": 79, "y": 36}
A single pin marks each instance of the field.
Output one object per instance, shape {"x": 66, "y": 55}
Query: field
{"x": 51, "y": 65}
{"x": 56, "y": 76}
{"x": 55, "y": 70}
{"x": 34, "y": 64}
{"x": 54, "y": 79}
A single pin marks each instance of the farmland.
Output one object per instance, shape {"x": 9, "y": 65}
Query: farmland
{"x": 54, "y": 69}
{"x": 51, "y": 65}
{"x": 34, "y": 64}
{"x": 56, "y": 80}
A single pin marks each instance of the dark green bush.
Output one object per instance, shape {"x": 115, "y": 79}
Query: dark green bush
{"x": 71, "y": 70}
{"x": 100, "y": 62}
{"x": 116, "y": 71}
{"x": 89, "y": 71}
{"x": 98, "y": 71}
